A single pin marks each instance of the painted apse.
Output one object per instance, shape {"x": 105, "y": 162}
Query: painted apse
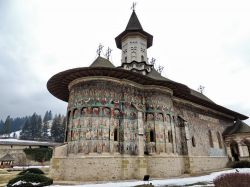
{"x": 105, "y": 116}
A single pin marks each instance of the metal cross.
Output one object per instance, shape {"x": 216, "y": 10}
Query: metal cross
{"x": 99, "y": 50}
{"x": 133, "y": 6}
{"x": 152, "y": 61}
{"x": 160, "y": 68}
{"x": 201, "y": 89}
{"x": 108, "y": 53}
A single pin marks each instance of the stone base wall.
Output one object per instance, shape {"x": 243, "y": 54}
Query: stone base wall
{"x": 119, "y": 167}
{"x": 204, "y": 163}
{"x": 97, "y": 168}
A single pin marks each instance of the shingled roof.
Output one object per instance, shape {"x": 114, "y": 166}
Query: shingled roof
{"x": 102, "y": 62}
{"x": 7, "y": 157}
{"x": 133, "y": 26}
{"x": 238, "y": 127}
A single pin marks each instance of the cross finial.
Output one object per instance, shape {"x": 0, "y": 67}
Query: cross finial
{"x": 152, "y": 61}
{"x": 201, "y": 89}
{"x": 99, "y": 50}
{"x": 160, "y": 68}
{"x": 108, "y": 53}
{"x": 133, "y": 6}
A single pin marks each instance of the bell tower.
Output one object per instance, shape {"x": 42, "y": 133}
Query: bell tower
{"x": 134, "y": 42}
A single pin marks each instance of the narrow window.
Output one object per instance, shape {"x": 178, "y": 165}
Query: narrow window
{"x": 115, "y": 135}
{"x": 210, "y": 138}
{"x": 126, "y": 59}
{"x": 170, "y": 138}
{"x": 219, "y": 140}
{"x": 193, "y": 141}
{"x": 142, "y": 58}
{"x": 152, "y": 136}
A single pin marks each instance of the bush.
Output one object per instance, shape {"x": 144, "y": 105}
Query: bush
{"x": 241, "y": 164}
{"x": 232, "y": 180}
{"x": 31, "y": 170}
{"x": 27, "y": 179}
{"x": 39, "y": 154}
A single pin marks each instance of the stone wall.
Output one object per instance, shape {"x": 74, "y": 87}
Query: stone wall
{"x": 100, "y": 168}
{"x": 204, "y": 163}
{"x": 18, "y": 154}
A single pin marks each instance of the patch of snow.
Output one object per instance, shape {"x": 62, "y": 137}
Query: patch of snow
{"x": 17, "y": 133}
{"x": 177, "y": 181}
{"x": 26, "y": 167}
{"x": 21, "y": 141}
{"x": 24, "y": 182}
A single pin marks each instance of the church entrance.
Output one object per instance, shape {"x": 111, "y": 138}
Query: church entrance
{"x": 235, "y": 151}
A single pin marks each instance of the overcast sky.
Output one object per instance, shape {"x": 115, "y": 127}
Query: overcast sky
{"x": 198, "y": 42}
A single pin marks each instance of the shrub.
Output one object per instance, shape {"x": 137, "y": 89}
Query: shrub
{"x": 39, "y": 154}
{"x": 31, "y": 170}
{"x": 27, "y": 179}
{"x": 241, "y": 164}
{"x": 232, "y": 180}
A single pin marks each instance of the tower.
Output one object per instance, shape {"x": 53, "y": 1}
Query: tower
{"x": 134, "y": 42}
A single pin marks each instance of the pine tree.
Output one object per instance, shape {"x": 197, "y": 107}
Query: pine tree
{"x": 46, "y": 117}
{"x": 1, "y": 126}
{"x": 45, "y": 131}
{"x": 57, "y": 129}
{"x": 26, "y": 133}
{"x": 50, "y": 116}
{"x": 7, "y": 126}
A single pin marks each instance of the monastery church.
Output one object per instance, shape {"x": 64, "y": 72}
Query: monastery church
{"x": 129, "y": 121}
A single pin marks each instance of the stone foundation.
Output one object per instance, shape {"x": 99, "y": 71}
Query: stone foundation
{"x": 122, "y": 167}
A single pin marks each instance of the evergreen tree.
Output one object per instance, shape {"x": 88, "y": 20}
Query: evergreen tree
{"x": 46, "y": 117}
{"x": 57, "y": 129}
{"x": 7, "y": 126}
{"x": 1, "y": 126}
{"x": 50, "y": 117}
{"x": 26, "y": 133}
{"x": 45, "y": 131}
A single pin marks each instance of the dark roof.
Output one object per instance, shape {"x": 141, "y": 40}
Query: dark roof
{"x": 58, "y": 85}
{"x": 156, "y": 75}
{"x": 7, "y": 157}
{"x": 133, "y": 23}
{"x": 102, "y": 62}
{"x": 134, "y": 26}
{"x": 238, "y": 127}
{"x": 200, "y": 95}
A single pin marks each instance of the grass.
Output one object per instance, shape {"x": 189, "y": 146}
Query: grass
{"x": 5, "y": 176}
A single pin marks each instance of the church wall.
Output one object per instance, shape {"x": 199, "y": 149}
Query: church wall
{"x": 204, "y": 131}
{"x": 203, "y": 163}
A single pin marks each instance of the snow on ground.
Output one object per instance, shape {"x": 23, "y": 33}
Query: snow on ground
{"x": 26, "y": 167}
{"x": 21, "y": 141}
{"x": 177, "y": 181}
{"x": 16, "y": 134}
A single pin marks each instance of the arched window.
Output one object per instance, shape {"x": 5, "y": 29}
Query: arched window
{"x": 142, "y": 58}
{"x": 219, "y": 140}
{"x": 115, "y": 135}
{"x": 126, "y": 59}
{"x": 210, "y": 138}
{"x": 152, "y": 136}
{"x": 68, "y": 117}
{"x": 75, "y": 113}
{"x": 170, "y": 137}
{"x": 193, "y": 142}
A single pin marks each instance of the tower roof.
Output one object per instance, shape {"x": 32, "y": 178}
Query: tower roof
{"x": 134, "y": 26}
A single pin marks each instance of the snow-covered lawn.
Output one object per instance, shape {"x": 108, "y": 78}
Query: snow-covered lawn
{"x": 176, "y": 181}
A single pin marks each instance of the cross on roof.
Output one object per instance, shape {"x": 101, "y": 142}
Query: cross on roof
{"x": 99, "y": 50}
{"x": 133, "y": 6}
{"x": 108, "y": 53}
